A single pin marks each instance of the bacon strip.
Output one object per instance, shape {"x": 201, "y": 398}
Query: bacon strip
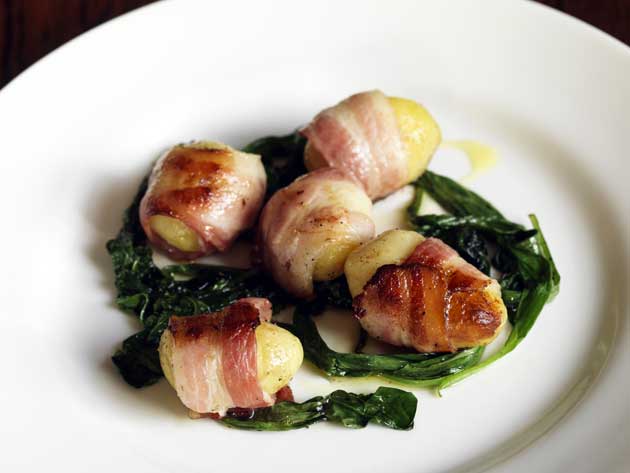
{"x": 214, "y": 357}
{"x": 215, "y": 190}
{"x": 300, "y": 221}
{"x": 434, "y": 302}
{"x": 360, "y": 136}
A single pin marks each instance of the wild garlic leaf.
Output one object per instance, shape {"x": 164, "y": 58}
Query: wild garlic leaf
{"x": 389, "y": 407}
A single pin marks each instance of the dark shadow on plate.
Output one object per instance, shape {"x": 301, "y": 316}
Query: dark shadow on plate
{"x": 104, "y": 211}
{"x": 157, "y": 397}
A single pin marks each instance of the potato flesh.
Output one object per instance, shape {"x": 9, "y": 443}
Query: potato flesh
{"x": 279, "y": 355}
{"x": 175, "y": 233}
{"x": 165, "y": 350}
{"x": 329, "y": 264}
{"x": 420, "y": 133}
{"x": 391, "y": 247}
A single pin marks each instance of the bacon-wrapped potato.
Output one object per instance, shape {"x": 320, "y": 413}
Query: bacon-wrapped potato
{"x": 200, "y": 197}
{"x": 419, "y": 293}
{"x": 381, "y": 142}
{"x": 307, "y": 229}
{"x": 231, "y": 358}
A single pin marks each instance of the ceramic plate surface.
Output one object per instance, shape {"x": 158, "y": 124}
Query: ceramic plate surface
{"x": 79, "y": 129}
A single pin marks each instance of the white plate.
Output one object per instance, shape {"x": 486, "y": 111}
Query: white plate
{"x": 79, "y": 129}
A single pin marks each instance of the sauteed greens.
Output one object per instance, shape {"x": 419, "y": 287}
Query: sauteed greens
{"x": 473, "y": 227}
{"x": 389, "y": 407}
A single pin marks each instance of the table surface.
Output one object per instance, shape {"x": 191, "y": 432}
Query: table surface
{"x": 29, "y": 29}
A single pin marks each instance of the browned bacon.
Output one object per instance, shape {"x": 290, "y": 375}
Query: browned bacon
{"x": 285, "y": 394}
{"x": 434, "y": 302}
{"x": 215, "y": 190}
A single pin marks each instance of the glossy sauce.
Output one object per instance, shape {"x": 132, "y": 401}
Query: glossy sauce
{"x": 482, "y": 157}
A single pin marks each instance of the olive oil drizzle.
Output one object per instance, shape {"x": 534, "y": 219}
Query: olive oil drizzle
{"x": 482, "y": 157}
